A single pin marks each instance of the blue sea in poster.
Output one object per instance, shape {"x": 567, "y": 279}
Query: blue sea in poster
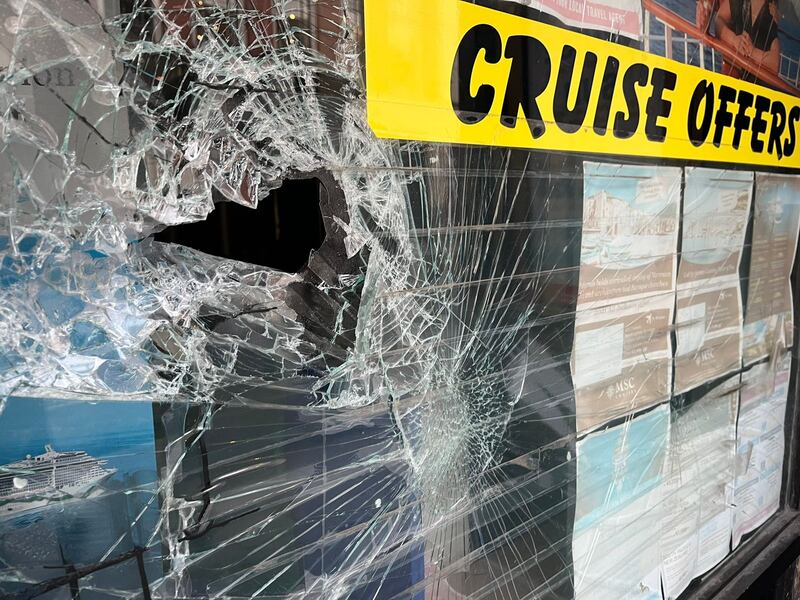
{"x": 620, "y": 464}
{"x": 123, "y": 514}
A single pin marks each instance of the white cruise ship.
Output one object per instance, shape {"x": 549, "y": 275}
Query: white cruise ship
{"x": 36, "y": 481}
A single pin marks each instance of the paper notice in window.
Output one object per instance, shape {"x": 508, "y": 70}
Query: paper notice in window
{"x": 709, "y": 301}
{"x": 769, "y": 323}
{"x": 760, "y": 444}
{"x": 618, "y": 506}
{"x": 698, "y": 482}
{"x": 622, "y": 355}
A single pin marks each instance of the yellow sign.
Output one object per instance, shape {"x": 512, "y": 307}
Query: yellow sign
{"x": 452, "y": 71}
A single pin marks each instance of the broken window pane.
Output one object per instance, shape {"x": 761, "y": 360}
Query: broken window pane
{"x": 250, "y": 349}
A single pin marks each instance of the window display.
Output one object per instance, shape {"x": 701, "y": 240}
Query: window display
{"x": 534, "y": 338}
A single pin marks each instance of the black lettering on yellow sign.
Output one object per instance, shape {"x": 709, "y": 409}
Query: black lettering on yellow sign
{"x": 768, "y": 116}
{"x": 711, "y": 109}
{"x": 492, "y": 78}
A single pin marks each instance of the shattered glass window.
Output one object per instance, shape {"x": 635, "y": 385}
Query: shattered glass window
{"x": 251, "y": 349}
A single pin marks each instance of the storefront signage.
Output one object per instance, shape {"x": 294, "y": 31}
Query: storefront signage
{"x": 451, "y": 71}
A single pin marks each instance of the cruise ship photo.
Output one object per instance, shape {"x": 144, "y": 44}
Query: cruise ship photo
{"x": 36, "y": 481}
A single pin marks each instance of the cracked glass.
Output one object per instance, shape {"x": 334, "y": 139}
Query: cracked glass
{"x": 493, "y": 374}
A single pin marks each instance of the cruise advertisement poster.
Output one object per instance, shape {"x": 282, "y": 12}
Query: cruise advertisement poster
{"x": 78, "y": 490}
{"x": 768, "y": 323}
{"x": 709, "y": 318}
{"x": 621, "y": 360}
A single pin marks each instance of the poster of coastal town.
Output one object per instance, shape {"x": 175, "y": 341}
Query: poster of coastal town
{"x": 630, "y": 228}
{"x": 78, "y": 487}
